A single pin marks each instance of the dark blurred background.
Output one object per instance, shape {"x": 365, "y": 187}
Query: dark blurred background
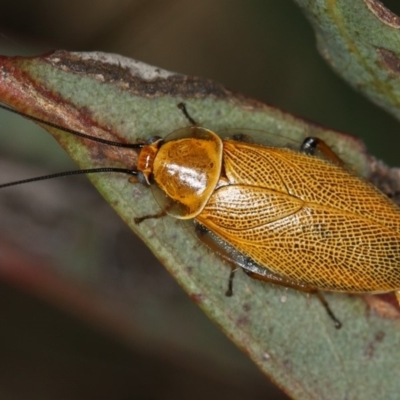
{"x": 52, "y": 349}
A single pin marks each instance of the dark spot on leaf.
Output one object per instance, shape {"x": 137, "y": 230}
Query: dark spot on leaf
{"x": 288, "y": 365}
{"x": 189, "y": 269}
{"x": 271, "y": 330}
{"x": 390, "y": 60}
{"x": 246, "y": 307}
{"x": 379, "y": 336}
{"x": 243, "y": 320}
{"x": 197, "y": 297}
{"x": 173, "y": 85}
{"x": 371, "y": 346}
{"x": 383, "y": 13}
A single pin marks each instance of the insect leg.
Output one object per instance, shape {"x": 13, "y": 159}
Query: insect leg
{"x": 301, "y": 288}
{"x": 161, "y": 214}
{"x": 312, "y": 145}
{"x": 229, "y": 291}
{"x": 235, "y": 260}
{"x": 182, "y": 107}
{"x": 211, "y": 241}
{"x": 329, "y": 311}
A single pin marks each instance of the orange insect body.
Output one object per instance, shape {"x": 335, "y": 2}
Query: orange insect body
{"x": 283, "y": 215}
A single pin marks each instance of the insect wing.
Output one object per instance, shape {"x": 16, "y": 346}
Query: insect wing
{"x": 260, "y": 137}
{"x": 306, "y": 220}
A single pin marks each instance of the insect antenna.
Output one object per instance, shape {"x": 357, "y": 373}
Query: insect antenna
{"x": 75, "y": 133}
{"x": 70, "y": 173}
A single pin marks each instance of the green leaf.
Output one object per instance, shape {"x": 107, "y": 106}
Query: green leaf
{"x": 360, "y": 40}
{"x": 288, "y": 335}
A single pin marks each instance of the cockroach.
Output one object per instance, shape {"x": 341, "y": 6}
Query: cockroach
{"x": 286, "y": 216}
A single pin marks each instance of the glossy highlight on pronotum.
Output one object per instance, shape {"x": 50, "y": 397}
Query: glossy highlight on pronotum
{"x": 283, "y": 215}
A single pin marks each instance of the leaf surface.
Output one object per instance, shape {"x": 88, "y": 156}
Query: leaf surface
{"x": 288, "y": 335}
{"x": 360, "y": 40}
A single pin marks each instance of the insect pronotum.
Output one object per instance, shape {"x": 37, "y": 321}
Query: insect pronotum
{"x": 284, "y": 216}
